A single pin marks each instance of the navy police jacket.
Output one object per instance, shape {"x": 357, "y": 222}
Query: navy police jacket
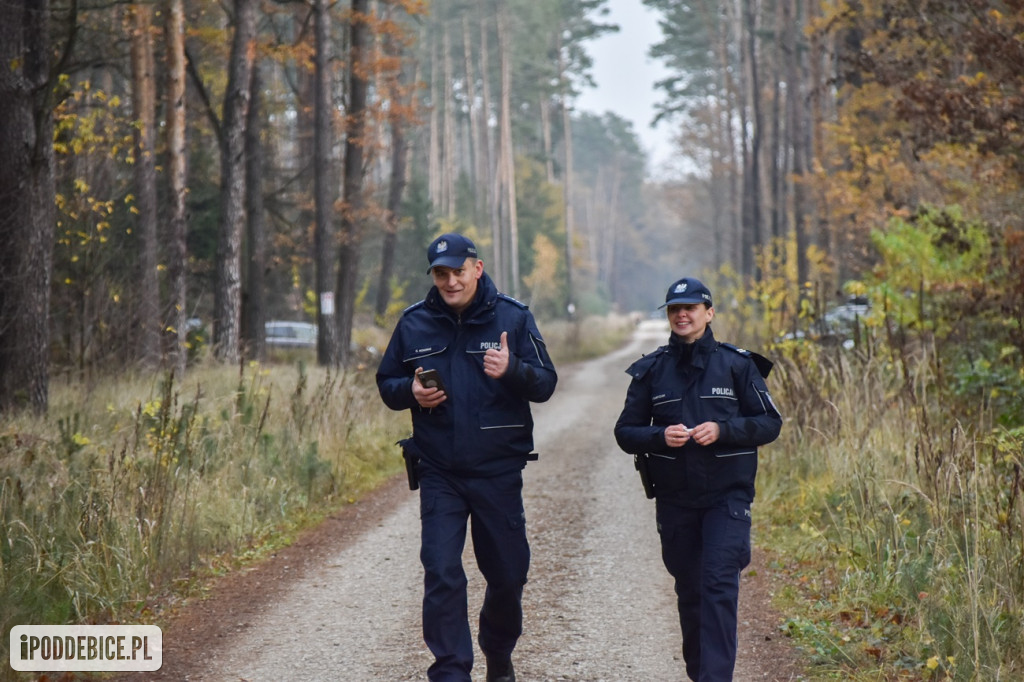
{"x": 484, "y": 428}
{"x": 718, "y": 383}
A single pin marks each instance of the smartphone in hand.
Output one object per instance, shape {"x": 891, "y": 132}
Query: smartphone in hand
{"x": 431, "y": 378}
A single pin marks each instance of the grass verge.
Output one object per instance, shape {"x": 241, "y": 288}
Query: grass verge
{"x": 895, "y": 524}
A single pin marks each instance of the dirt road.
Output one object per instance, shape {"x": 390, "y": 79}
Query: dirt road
{"x": 344, "y": 602}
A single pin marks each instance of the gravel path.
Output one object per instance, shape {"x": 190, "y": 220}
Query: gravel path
{"x": 344, "y": 603}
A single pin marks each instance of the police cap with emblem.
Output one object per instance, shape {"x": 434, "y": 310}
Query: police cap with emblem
{"x": 450, "y": 250}
{"x": 687, "y": 290}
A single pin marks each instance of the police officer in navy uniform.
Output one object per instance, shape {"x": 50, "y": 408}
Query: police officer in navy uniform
{"x": 471, "y": 439}
{"x": 695, "y": 413}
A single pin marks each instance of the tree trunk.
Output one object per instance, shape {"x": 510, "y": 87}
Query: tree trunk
{"x": 797, "y": 125}
{"x": 144, "y": 112}
{"x": 399, "y": 167}
{"x": 544, "y": 109}
{"x": 227, "y": 293}
{"x": 752, "y": 159}
{"x": 490, "y": 159}
{"x": 449, "y": 157}
{"x": 729, "y": 152}
{"x": 567, "y": 185}
{"x": 434, "y": 163}
{"x": 27, "y": 207}
{"x": 507, "y": 154}
{"x": 352, "y": 181}
{"x": 174, "y": 32}
{"x": 476, "y": 136}
{"x": 323, "y": 176}
{"x": 254, "y": 313}
{"x": 779, "y": 154}
{"x": 323, "y": 196}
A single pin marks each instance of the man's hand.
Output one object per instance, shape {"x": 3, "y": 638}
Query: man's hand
{"x": 496, "y": 361}
{"x": 427, "y": 397}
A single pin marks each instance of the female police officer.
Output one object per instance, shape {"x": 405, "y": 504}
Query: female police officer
{"x": 472, "y": 436}
{"x": 695, "y": 412}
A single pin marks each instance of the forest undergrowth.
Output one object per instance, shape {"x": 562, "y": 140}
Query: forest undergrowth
{"x": 896, "y": 524}
{"x": 891, "y": 503}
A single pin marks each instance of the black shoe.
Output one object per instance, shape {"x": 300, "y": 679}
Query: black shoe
{"x": 500, "y": 670}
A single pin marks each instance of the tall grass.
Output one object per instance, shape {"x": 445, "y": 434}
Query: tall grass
{"x": 896, "y": 515}
{"x": 133, "y": 491}
{"x": 135, "y": 487}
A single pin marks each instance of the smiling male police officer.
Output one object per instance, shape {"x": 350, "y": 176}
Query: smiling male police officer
{"x": 695, "y": 412}
{"x": 471, "y": 440}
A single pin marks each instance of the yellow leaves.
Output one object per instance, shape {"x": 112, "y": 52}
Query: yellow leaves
{"x": 810, "y": 530}
{"x": 934, "y": 662}
{"x": 152, "y": 408}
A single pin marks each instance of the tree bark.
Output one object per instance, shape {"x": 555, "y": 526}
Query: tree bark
{"x": 323, "y": 197}
{"x": 27, "y": 207}
{"x": 567, "y": 185}
{"x": 228, "y": 280}
{"x": 174, "y": 32}
{"x": 399, "y": 179}
{"x": 797, "y": 125}
{"x": 490, "y": 159}
{"x": 752, "y": 158}
{"x": 476, "y": 120}
{"x": 144, "y": 112}
{"x": 254, "y": 313}
{"x": 507, "y": 154}
{"x": 352, "y": 182}
{"x": 449, "y": 156}
{"x": 434, "y": 152}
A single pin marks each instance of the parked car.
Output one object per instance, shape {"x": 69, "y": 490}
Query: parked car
{"x": 840, "y": 325}
{"x": 285, "y": 334}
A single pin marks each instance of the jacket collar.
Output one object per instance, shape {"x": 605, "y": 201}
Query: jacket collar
{"x": 481, "y": 307}
{"x": 702, "y": 347}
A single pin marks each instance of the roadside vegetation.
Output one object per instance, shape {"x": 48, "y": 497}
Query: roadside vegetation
{"x": 135, "y": 491}
{"x": 891, "y": 504}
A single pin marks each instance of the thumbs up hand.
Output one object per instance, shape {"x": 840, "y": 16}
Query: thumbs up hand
{"x": 496, "y": 361}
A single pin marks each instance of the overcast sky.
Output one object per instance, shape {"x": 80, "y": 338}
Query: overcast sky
{"x": 625, "y": 76}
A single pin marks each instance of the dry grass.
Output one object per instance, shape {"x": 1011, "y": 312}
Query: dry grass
{"x": 899, "y": 523}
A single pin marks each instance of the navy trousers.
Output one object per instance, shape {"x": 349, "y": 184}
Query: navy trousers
{"x": 705, "y": 549}
{"x": 494, "y": 509}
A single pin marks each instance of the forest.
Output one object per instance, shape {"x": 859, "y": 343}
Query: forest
{"x": 201, "y": 167}
{"x": 174, "y": 174}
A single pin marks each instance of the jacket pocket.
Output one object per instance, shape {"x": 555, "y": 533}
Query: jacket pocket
{"x": 416, "y": 354}
{"x": 501, "y": 419}
{"x": 666, "y": 407}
